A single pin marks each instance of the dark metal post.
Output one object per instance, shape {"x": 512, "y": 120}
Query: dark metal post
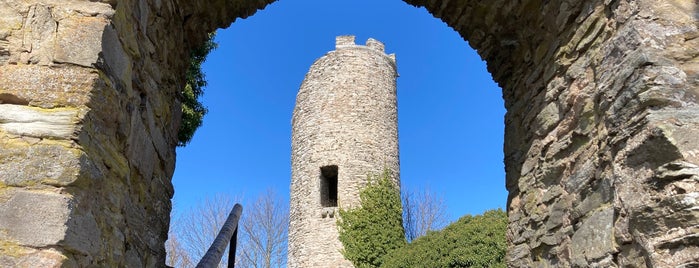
{"x": 229, "y": 231}
{"x": 231, "y": 250}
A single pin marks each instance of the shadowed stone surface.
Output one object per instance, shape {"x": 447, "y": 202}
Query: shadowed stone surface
{"x": 601, "y": 98}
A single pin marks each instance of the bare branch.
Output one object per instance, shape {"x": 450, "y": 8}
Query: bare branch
{"x": 264, "y": 231}
{"x": 196, "y": 228}
{"x": 262, "y": 234}
{"x": 423, "y": 211}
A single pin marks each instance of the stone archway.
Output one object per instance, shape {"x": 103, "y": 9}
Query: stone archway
{"x": 600, "y": 149}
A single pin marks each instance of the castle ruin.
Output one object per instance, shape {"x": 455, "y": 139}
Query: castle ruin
{"x": 345, "y": 127}
{"x": 601, "y": 148}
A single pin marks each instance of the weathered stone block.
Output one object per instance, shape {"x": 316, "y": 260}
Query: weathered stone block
{"x": 25, "y": 164}
{"x": 79, "y": 40}
{"x": 593, "y": 240}
{"x": 82, "y": 228}
{"x": 33, "y": 218}
{"x": 38, "y": 123}
{"x": 46, "y": 87}
{"x": 39, "y": 36}
{"x": 28, "y": 257}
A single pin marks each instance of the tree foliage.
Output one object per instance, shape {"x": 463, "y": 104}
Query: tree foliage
{"x": 472, "y": 241}
{"x": 193, "y": 110}
{"x": 375, "y": 228}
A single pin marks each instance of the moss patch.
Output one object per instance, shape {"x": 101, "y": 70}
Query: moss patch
{"x": 12, "y": 249}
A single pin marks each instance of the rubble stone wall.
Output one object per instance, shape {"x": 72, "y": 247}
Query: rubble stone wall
{"x": 345, "y": 117}
{"x": 600, "y": 131}
{"x": 88, "y": 126}
{"x": 601, "y": 154}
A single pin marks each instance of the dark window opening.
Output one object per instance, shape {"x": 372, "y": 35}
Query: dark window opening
{"x": 328, "y": 186}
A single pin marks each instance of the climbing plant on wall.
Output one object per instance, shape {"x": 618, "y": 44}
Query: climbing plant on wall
{"x": 193, "y": 110}
{"x": 375, "y": 228}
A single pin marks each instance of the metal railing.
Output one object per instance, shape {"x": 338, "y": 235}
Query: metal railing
{"x": 228, "y": 233}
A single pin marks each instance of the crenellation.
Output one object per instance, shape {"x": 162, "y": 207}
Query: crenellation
{"x": 375, "y": 44}
{"x": 347, "y": 42}
{"x": 344, "y": 41}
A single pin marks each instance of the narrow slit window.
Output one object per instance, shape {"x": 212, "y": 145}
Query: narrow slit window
{"x": 328, "y": 186}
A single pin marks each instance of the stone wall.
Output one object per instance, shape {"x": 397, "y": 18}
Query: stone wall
{"x": 601, "y": 151}
{"x": 345, "y": 116}
{"x": 88, "y": 126}
{"x": 600, "y": 132}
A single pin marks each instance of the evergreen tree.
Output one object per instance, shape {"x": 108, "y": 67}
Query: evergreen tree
{"x": 193, "y": 110}
{"x": 375, "y": 228}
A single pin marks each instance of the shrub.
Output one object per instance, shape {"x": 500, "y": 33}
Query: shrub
{"x": 472, "y": 241}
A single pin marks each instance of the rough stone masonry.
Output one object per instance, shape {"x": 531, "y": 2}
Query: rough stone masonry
{"x": 344, "y": 127}
{"x": 601, "y": 147}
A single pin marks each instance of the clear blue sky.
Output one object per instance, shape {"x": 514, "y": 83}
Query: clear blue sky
{"x": 450, "y": 111}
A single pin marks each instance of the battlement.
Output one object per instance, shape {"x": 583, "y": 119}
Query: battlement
{"x": 344, "y": 41}
{"x": 375, "y": 44}
{"x": 348, "y": 41}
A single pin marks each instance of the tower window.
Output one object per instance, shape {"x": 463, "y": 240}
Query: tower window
{"x": 328, "y": 186}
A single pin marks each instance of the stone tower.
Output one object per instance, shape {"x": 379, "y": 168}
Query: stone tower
{"x": 344, "y": 127}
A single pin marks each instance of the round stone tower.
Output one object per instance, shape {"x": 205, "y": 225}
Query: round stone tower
{"x": 344, "y": 127}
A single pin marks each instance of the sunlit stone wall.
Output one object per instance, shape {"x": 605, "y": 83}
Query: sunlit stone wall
{"x": 88, "y": 126}
{"x": 345, "y": 116}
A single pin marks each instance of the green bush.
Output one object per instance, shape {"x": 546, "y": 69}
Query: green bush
{"x": 371, "y": 231}
{"x": 472, "y": 241}
{"x": 193, "y": 110}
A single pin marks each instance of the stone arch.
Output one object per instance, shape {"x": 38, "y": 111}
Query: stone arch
{"x": 600, "y": 148}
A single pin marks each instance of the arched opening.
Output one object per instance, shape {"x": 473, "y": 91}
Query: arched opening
{"x": 450, "y": 111}
{"x": 449, "y": 108}
{"x": 89, "y": 101}
{"x": 570, "y": 78}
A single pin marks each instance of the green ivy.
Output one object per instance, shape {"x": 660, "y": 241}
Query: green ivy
{"x": 375, "y": 228}
{"x": 193, "y": 110}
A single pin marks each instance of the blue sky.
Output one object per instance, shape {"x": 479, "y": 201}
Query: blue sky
{"x": 450, "y": 112}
